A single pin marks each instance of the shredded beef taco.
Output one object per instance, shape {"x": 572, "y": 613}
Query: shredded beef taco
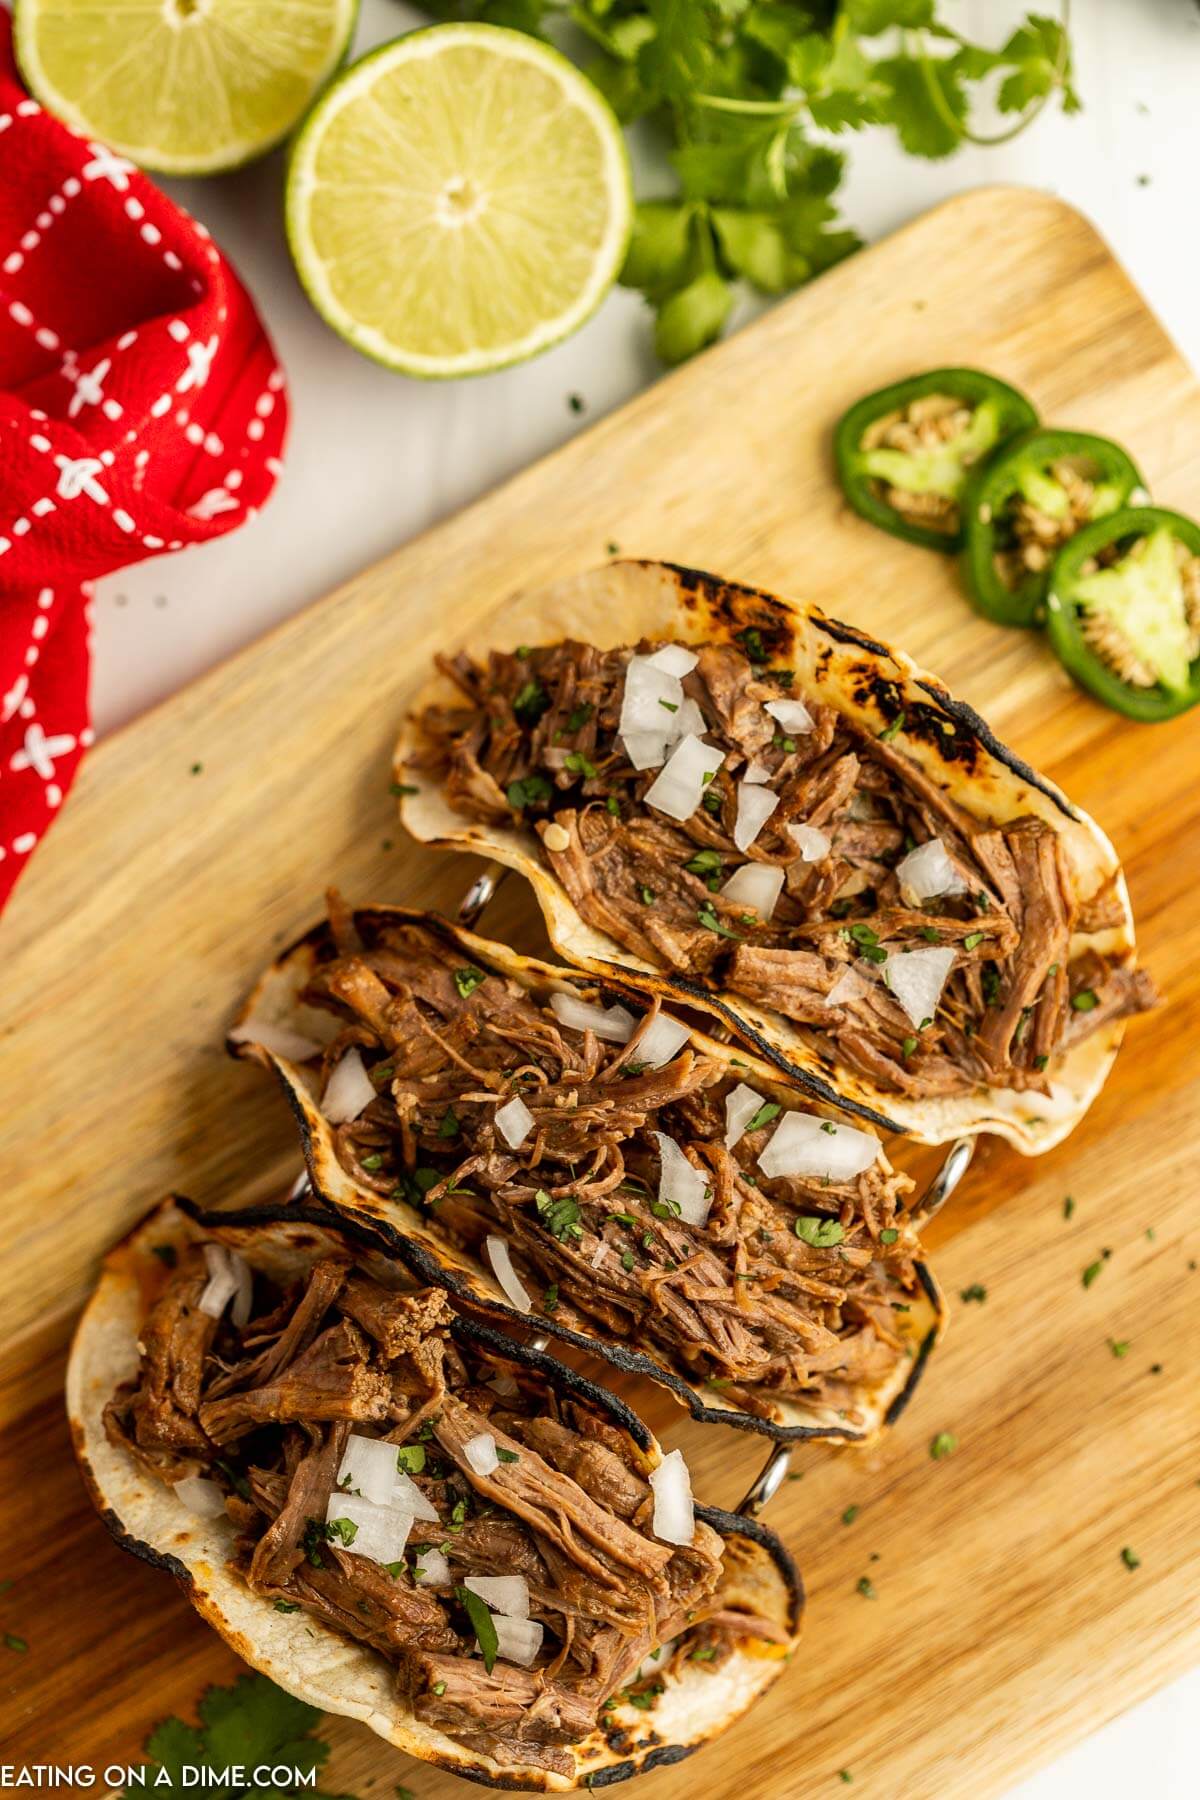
{"x": 567, "y": 1155}
{"x": 794, "y": 824}
{"x": 402, "y": 1516}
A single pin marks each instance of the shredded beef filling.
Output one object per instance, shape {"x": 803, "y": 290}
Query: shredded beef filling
{"x": 742, "y": 1301}
{"x": 536, "y": 739}
{"x": 567, "y": 1507}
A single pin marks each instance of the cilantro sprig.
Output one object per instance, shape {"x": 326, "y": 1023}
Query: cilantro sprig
{"x": 737, "y": 91}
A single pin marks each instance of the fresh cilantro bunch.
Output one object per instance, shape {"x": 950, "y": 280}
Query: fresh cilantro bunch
{"x": 743, "y": 94}
{"x": 252, "y": 1724}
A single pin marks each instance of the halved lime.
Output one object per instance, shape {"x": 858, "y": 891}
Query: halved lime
{"x": 459, "y": 200}
{"x": 186, "y": 87}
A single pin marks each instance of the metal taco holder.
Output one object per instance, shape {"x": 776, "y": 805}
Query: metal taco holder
{"x": 773, "y": 1473}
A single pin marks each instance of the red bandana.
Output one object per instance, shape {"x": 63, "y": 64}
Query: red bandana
{"x": 141, "y": 409}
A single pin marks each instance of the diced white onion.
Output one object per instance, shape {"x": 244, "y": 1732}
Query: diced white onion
{"x": 382, "y": 1531}
{"x": 507, "y": 1594}
{"x": 679, "y": 787}
{"x": 517, "y": 1640}
{"x": 674, "y": 1515}
{"x": 598, "y": 1253}
{"x": 433, "y": 1568}
{"x": 613, "y": 1023}
{"x": 275, "y": 1038}
{"x": 792, "y": 715}
{"x": 689, "y": 719}
{"x": 480, "y": 1452}
{"x": 514, "y": 1122}
{"x": 350, "y": 1090}
{"x": 243, "y": 1299}
{"x": 812, "y": 844}
{"x": 754, "y": 807}
{"x": 740, "y": 1107}
{"x": 368, "y": 1467}
{"x": 407, "y": 1496}
{"x": 222, "y": 1283}
{"x": 651, "y": 698}
{"x": 675, "y": 659}
{"x": 504, "y": 1385}
{"x": 927, "y": 872}
{"x": 755, "y": 774}
{"x": 646, "y": 749}
{"x": 848, "y": 988}
{"x": 681, "y": 1182}
{"x": 514, "y": 1288}
{"x": 660, "y": 1041}
{"x": 200, "y": 1496}
{"x": 803, "y": 1144}
{"x": 917, "y": 978}
{"x": 757, "y": 885}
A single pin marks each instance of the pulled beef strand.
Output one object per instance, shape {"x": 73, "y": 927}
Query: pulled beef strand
{"x": 536, "y": 740}
{"x": 564, "y": 1507}
{"x": 740, "y": 1300}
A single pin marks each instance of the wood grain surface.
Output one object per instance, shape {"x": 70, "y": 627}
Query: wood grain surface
{"x": 1005, "y": 1624}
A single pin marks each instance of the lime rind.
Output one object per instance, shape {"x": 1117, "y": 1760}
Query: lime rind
{"x": 354, "y": 88}
{"x": 227, "y": 135}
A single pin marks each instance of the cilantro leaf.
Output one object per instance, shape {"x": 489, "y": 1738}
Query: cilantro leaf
{"x": 693, "y": 317}
{"x": 252, "y": 1722}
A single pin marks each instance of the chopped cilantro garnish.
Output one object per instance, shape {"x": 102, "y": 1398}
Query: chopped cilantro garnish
{"x": 579, "y": 716}
{"x": 943, "y": 1445}
{"x": 506, "y": 1456}
{"x": 976, "y": 1291}
{"x": 528, "y": 792}
{"x": 889, "y": 1236}
{"x": 819, "y": 1234}
{"x": 411, "y": 1458}
{"x": 766, "y": 1112}
{"x": 578, "y": 764}
{"x": 531, "y": 702}
{"x": 286, "y": 1606}
{"x": 373, "y": 1162}
{"x": 908, "y": 1046}
{"x": 1068, "y": 1207}
{"x": 550, "y": 1298}
{"x": 346, "y": 1529}
{"x": 705, "y": 862}
{"x": 850, "y": 1514}
{"x": 866, "y": 1587}
{"x": 613, "y": 805}
{"x": 710, "y": 922}
{"x": 1092, "y": 1271}
{"x": 448, "y": 1126}
{"x": 467, "y": 979}
{"x": 972, "y": 939}
{"x": 1130, "y": 1558}
{"x": 560, "y": 1217}
{"x": 1084, "y": 1000}
{"x": 1119, "y": 1346}
{"x": 892, "y": 730}
{"x": 647, "y": 895}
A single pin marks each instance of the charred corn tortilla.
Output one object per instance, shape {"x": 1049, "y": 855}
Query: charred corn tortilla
{"x": 879, "y": 690}
{"x": 277, "y": 1013}
{"x": 302, "y": 1654}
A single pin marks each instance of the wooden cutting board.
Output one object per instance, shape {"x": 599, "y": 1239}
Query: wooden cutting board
{"x": 1005, "y": 1624}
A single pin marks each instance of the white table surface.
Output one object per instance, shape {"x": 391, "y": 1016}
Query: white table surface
{"x": 374, "y": 459}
